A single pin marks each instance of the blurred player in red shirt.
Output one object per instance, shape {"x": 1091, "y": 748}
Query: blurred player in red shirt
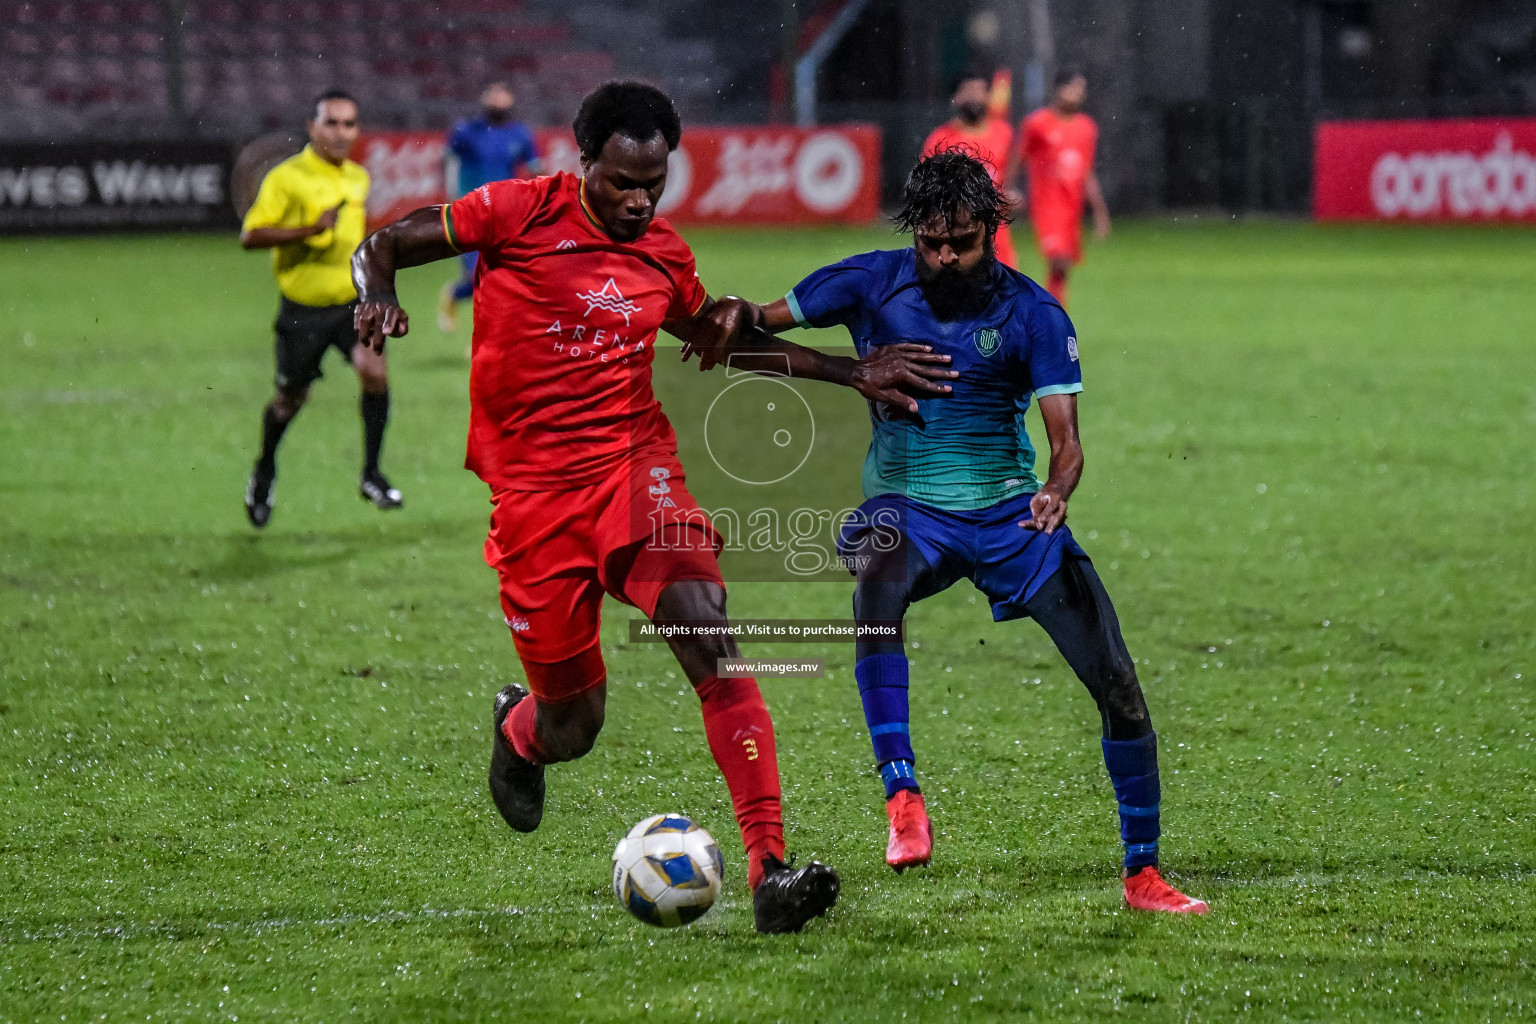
{"x": 575, "y": 277}
{"x": 1057, "y": 143}
{"x": 980, "y": 127}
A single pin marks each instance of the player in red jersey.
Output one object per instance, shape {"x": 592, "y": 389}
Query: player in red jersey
{"x": 574, "y": 279}
{"x": 982, "y": 129}
{"x": 1057, "y": 144}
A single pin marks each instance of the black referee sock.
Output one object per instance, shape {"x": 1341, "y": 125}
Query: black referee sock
{"x": 375, "y": 408}
{"x": 272, "y": 430}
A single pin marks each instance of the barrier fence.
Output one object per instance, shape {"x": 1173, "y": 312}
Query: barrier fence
{"x": 1477, "y": 169}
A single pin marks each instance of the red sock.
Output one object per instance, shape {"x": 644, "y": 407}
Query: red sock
{"x": 520, "y": 728}
{"x": 1057, "y": 286}
{"x": 740, "y": 736}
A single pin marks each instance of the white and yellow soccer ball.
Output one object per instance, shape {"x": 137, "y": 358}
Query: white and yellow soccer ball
{"x": 667, "y": 871}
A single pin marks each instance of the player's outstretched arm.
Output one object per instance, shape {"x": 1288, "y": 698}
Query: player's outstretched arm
{"x": 743, "y": 332}
{"x": 721, "y": 328}
{"x": 1048, "y": 507}
{"x": 270, "y": 238}
{"x": 412, "y": 240}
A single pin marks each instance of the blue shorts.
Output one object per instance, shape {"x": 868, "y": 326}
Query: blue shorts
{"x": 987, "y": 546}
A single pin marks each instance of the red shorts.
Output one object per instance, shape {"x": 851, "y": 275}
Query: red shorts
{"x": 557, "y": 552}
{"x": 1059, "y": 235}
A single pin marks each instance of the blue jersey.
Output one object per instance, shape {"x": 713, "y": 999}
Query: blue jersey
{"x": 967, "y": 449}
{"x": 490, "y": 152}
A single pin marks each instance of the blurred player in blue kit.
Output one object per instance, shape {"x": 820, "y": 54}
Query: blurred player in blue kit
{"x": 951, "y": 487}
{"x": 491, "y": 147}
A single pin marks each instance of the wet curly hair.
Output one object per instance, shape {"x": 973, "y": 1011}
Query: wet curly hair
{"x": 947, "y": 182}
{"x": 632, "y": 109}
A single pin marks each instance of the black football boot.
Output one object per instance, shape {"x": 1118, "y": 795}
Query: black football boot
{"x": 377, "y": 490}
{"x": 788, "y": 897}
{"x": 258, "y": 498}
{"x": 517, "y": 785}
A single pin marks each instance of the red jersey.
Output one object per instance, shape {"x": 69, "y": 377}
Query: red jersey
{"x": 565, "y": 322}
{"x": 1058, "y": 153}
{"x": 990, "y": 140}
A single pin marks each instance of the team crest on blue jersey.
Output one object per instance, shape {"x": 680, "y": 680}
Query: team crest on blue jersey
{"x": 988, "y": 340}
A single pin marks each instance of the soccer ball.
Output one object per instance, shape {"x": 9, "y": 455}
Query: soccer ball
{"x": 667, "y": 871}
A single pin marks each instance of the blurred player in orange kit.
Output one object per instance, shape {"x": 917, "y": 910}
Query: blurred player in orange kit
{"x": 1057, "y": 143}
{"x": 980, "y": 126}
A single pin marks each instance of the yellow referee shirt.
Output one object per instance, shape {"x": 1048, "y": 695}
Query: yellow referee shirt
{"x": 316, "y": 271}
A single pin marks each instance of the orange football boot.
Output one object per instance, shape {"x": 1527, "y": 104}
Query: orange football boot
{"x": 1146, "y": 890}
{"x": 911, "y": 842}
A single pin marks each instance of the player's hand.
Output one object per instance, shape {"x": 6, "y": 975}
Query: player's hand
{"x": 327, "y": 220}
{"x": 719, "y": 329}
{"x": 378, "y": 319}
{"x": 1101, "y": 226}
{"x": 1047, "y": 510}
{"x": 889, "y": 372}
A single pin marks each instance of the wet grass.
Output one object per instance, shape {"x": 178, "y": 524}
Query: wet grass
{"x": 242, "y": 776}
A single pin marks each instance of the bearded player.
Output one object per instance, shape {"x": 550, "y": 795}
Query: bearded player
{"x": 1058, "y": 144}
{"x": 952, "y": 493}
{"x": 588, "y": 497}
{"x": 980, "y": 126}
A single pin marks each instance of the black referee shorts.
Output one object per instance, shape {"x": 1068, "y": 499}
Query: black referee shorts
{"x": 303, "y": 335}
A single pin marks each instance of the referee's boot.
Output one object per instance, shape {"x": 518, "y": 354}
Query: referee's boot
{"x": 517, "y": 784}
{"x": 788, "y": 897}
{"x": 258, "y": 497}
{"x": 379, "y": 491}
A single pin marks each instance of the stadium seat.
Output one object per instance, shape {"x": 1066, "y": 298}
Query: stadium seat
{"x": 98, "y": 64}
{"x": 22, "y": 43}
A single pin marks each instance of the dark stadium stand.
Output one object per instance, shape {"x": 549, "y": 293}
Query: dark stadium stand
{"x": 97, "y": 67}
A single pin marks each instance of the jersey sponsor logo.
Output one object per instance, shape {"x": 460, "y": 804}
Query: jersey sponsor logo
{"x": 611, "y": 299}
{"x": 988, "y": 340}
{"x": 1072, "y": 346}
{"x": 589, "y": 343}
{"x": 661, "y": 490}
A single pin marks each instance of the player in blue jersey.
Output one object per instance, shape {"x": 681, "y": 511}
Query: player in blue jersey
{"x": 951, "y": 487}
{"x": 487, "y": 148}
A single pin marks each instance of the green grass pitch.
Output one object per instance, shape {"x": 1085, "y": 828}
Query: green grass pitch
{"x": 243, "y": 776}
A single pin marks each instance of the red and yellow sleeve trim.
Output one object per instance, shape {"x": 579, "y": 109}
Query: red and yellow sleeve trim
{"x": 448, "y": 234}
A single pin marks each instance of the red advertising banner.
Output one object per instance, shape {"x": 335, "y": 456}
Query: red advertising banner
{"x": 1478, "y": 169}
{"x": 748, "y": 175}
{"x": 405, "y": 171}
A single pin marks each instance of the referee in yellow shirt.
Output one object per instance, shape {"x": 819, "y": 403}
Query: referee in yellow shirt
{"x": 310, "y": 211}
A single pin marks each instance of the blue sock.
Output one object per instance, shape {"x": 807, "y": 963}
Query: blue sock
{"x": 883, "y": 689}
{"x": 1132, "y": 768}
